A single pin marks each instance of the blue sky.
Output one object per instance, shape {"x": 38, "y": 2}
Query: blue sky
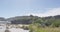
{"x": 11, "y": 8}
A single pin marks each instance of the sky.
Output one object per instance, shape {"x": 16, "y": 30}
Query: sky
{"x": 41, "y": 8}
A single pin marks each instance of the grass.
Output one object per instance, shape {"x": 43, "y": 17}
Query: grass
{"x": 49, "y": 29}
{"x": 45, "y": 29}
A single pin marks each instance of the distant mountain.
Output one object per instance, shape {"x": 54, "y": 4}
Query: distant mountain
{"x": 22, "y": 19}
{"x": 28, "y": 19}
{"x": 57, "y": 17}
{"x": 2, "y": 19}
{"x": 54, "y": 17}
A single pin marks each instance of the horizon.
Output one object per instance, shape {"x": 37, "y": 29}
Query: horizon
{"x": 29, "y": 15}
{"x": 41, "y": 8}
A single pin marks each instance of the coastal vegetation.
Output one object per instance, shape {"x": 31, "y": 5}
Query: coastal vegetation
{"x": 35, "y": 23}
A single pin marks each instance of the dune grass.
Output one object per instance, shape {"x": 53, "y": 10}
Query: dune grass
{"x": 45, "y": 29}
{"x": 48, "y": 29}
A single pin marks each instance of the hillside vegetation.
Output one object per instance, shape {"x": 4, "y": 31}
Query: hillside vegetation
{"x": 37, "y": 24}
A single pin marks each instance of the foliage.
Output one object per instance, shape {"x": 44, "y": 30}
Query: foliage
{"x": 56, "y": 23}
{"x": 36, "y": 28}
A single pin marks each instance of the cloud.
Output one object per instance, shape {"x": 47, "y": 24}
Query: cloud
{"x": 51, "y": 12}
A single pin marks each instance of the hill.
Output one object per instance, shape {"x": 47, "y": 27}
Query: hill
{"x": 22, "y": 19}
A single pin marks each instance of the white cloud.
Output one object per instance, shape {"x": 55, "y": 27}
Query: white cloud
{"x": 51, "y": 12}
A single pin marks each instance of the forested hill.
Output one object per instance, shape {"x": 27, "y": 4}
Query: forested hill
{"x": 23, "y": 19}
{"x": 30, "y": 19}
{"x": 49, "y": 17}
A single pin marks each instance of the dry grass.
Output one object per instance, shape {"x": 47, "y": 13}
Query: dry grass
{"x": 45, "y": 29}
{"x": 48, "y": 29}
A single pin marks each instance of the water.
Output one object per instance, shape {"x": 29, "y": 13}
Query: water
{"x": 3, "y": 28}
